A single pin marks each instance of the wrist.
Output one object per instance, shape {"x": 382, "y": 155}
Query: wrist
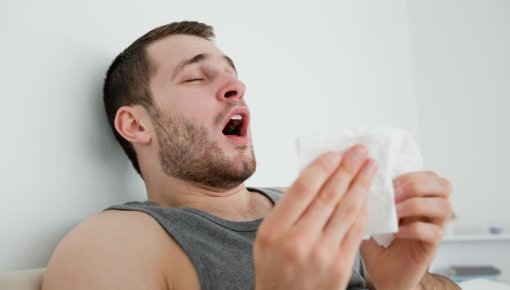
{"x": 436, "y": 282}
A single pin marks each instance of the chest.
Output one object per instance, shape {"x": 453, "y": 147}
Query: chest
{"x": 222, "y": 258}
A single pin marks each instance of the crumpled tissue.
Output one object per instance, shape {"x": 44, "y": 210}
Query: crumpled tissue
{"x": 395, "y": 153}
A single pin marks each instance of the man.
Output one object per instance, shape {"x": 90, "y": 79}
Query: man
{"x": 177, "y": 108}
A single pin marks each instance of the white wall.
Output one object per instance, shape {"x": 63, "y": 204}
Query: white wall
{"x": 461, "y": 50}
{"x": 308, "y": 68}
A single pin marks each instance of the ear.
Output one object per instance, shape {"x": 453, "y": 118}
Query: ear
{"x": 132, "y": 123}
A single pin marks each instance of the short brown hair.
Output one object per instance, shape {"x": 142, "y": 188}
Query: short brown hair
{"x": 127, "y": 78}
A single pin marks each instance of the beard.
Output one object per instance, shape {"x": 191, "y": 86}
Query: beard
{"x": 188, "y": 153}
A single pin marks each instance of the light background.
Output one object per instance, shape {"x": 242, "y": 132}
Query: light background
{"x": 440, "y": 69}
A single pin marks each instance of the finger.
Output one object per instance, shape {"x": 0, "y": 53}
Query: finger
{"x": 424, "y": 184}
{"x": 353, "y": 205}
{"x": 422, "y": 231}
{"x": 301, "y": 193}
{"x": 435, "y": 209}
{"x": 348, "y": 249}
{"x": 351, "y": 242}
{"x": 320, "y": 210}
{"x": 338, "y": 184}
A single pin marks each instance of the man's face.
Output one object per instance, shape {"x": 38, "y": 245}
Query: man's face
{"x": 201, "y": 120}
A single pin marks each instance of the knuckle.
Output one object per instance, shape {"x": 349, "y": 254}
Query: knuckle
{"x": 446, "y": 208}
{"x": 349, "y": 170}
{"x": 412, "y": 205}
{"x": 364, "y": 182}
{"x": 414, "y": 187}
{"x": 302, "y": 188}
{"x": 401, "y": 179}
{"x": 341, "y": 271}
{"x": 436, "y": 234}
{"x": 405, "y": 209}
{"x": 414, "y": 228}
{"x": 294, "y": 251}
{"x": 324, "y": 165}
{"x": 321, "y": 257}
{"x": 328, "y": 196}
{"x": 352, "y": 208}
{"x": 264, "y": 236}
{"x": 447, "y": 185}
{"x": 430, "y": 174}
{"x": 359, "y": 229}
{"x": 426, "y": 232}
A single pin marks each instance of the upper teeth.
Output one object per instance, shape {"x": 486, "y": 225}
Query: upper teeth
{"x": 237, "y": 117}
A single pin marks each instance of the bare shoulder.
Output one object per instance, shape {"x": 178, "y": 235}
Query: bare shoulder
{"x": 115, "y": 250}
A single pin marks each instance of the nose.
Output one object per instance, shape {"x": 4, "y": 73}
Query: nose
{"x": 233, "y": 89}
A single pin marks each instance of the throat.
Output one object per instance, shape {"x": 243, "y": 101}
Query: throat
{"x": 257, "y": 207}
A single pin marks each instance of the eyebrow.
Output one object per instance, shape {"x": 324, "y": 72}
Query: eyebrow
{"x": 199, "y": 58}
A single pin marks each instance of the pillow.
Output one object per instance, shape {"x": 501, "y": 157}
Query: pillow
{"x": 29, "y": 279}
{"x": 477, "y": 284}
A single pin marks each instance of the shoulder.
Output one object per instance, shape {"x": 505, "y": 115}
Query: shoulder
{"x": 113, "y": 250}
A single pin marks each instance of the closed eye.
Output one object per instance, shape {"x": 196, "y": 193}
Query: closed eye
{"x": 193, "y": 80}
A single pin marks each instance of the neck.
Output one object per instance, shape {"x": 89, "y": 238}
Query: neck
{"x": 236, "y": 204}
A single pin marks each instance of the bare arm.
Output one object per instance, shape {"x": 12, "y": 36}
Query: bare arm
{"x": 111, "y": 250}
{"x": 437, "y": 282}
{"x": 430, "y": 281}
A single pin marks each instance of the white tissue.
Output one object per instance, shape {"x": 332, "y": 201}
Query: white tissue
{"x": 395, "y": 152}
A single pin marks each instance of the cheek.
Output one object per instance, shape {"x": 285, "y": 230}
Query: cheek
{"x": 193, "y": 104}
{"x": 200, "y": 110}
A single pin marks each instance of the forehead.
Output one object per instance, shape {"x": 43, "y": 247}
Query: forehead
{"x": 171, "y": 50}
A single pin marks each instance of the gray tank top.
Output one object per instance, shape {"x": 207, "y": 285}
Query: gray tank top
{"x": 220, "y": 250}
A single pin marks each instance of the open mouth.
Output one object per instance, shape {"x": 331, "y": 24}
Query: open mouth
{"x": 237, "y": 124}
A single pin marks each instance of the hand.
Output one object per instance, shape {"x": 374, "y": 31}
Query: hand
{"x": 423, "y": 210}
{"x": 310, "y": 239}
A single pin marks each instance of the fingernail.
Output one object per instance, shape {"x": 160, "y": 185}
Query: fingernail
{"x": 370, "y": 168}
{"x": 398, "y": 191}
{"x": 359, "y": 152}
